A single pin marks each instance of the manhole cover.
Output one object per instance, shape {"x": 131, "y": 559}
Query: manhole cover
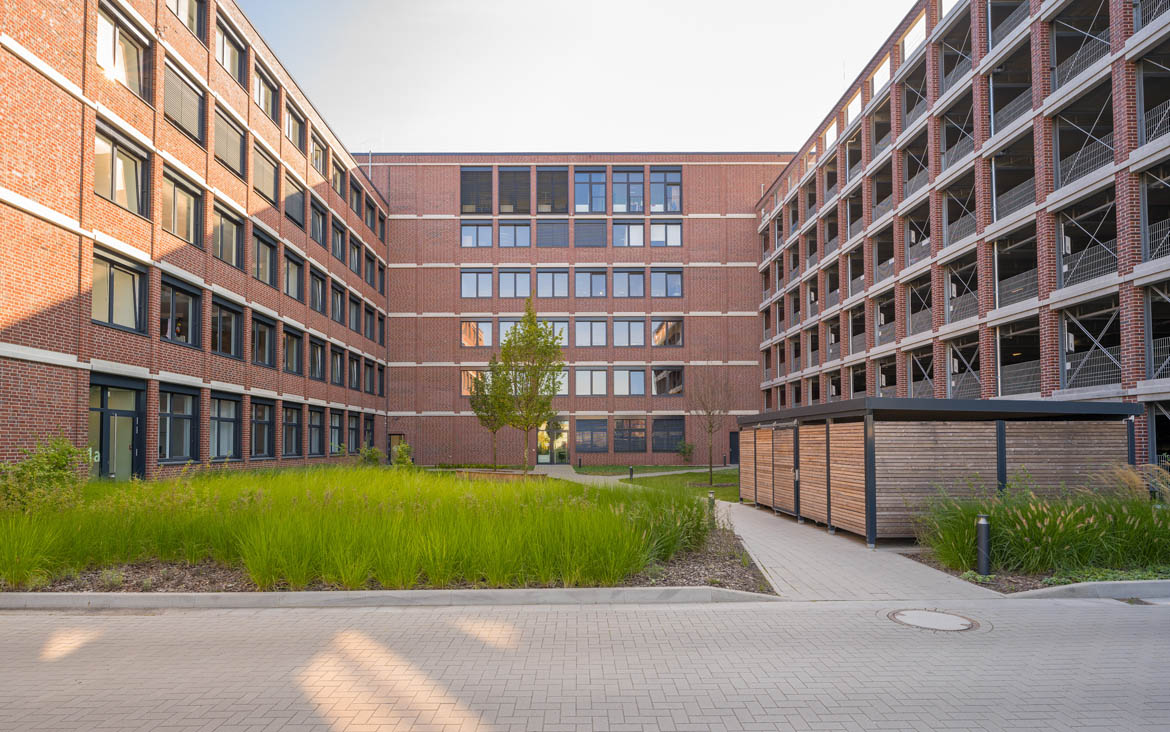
{"x": 932, "y": 620}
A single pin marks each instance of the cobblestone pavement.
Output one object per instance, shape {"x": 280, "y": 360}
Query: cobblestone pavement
{"x": 1043, "y": 664}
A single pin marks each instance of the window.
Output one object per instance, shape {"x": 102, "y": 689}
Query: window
{"x": 475, "y": 333}
{"x": 589, "y": 191}
{"x": 264, "y": 175}
{"x": 552, "y": 233}
{"x": 229, "y": 51}
{"x": 317, "y": 154}
{"x": 476, "y": 234}
{"x": 589, "y": 332}
{"x": 628, "y": 191}
{"x": 552, "y": 190}
{"x": 381, "y": 380}
{"x": 224, "y": 435}
{"x": 667, "y": 332}
{"x": 629, "y": 333}
{"x": 628, "y": 234}
{"x": 338, "y": 304}
{"x": 665, "y": 191}
{"x": 336, "y": 367}
{"x": 336, "y": 438}
{"x": 264, "y": 251}
{"x": 294, "y": 277}
{"x": 475, "y": 190}
{"x": 339, "y": 243}
{"x": 515, "y": 283}
{"x": 666, "y": 234}
{"x": 179, "y": 314}
{"x": 355, "y": 255}
{"x": 563, "y": 383}
{"x": 381, "y": 330}
{"x": 316, "y": 432}
{"x": 629, "y": 435}
{"x": 316, "y": 360}
{"x": 667, "y": 381}
{"x": 591, "y": 435}
{"x": 355, "y": 373}
{"x": 515, "y": 190}
{"x": 294, "y": 201}
{"x": 229, "y": 144}
{"x": 371, "y": 386}
{"x": 381, "y": 279}
{"x": 264, "y": 93}
{"x": 467, "y": 379}
{"x": 177, "y": 438}
{"x": 669, "y": 432}
{"x": 263, "y": 433}
{"x": 120, "y": 173}
{"x": 182, "y": 210}
{"x": 629, "y": 382}
{"x": 590, "y": 382}
{"x": 368, "y": 429}
{"x": 381, "y": 227}
{"x": 120, "y": 52}
{"x": 355, "y": 436}
{"x": 590, "y": 283}
{"x": 355, "y": 197}
{"x": 317, "y": 225}
{"x": 552, "y": 283}
{"x": 475, "y": 283}
{"x": 560, "y": 327}
{"x": 629, "y": 283}
{"x": 118, "y": 294}
{"x": 515, "y": 235}
{"x": 226, "y": 331}
{"x": 263, "y": 342}
{"x": 293, "y": 355}
{"x": 291, "y": 437}
{"x": 191, "y": 13}
{"x": 371, "y": 215}
{"x": 294, "y": 126}
{"x": 355, "y": 315}
{"x": 371, "y": 272}
{"x": 665, "y": 283}
{"x": 589, "y": 233}
{"x": 227, "y": 239}
{"x": 339, "y": 180}
{"x": 183, "y": 102}
{"x": 369, "y": 324}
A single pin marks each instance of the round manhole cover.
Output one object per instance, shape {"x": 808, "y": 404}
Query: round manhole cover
{"x": 933, "y": 620}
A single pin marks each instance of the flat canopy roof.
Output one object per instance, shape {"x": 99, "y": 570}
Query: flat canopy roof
{"x": 890, "y": 408}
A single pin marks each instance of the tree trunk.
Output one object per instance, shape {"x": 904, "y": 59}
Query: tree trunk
{"x": 710, "y": 458}
{"x": 495, "y": 464}
{"x": 526, "y": 434}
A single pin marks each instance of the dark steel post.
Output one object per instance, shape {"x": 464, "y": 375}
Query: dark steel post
{"x": 982, "y": 545}
{"x": 631, "y": 473}
{"x": 711, "y": 508}
{"x": 578, "y": 461}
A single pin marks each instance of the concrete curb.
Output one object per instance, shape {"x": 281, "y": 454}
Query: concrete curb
{"x": 1102, "y": 590}
{"x": 379, "y": 598}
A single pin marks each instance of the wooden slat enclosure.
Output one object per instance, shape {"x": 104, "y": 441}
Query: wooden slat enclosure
{"x": 783, "y": 488}
{"x": 1050, "y": 456}
{"x": 847, "y": 475}
{"x": 914, "y": 460}
{"x": 814, "y": 488}
{"x": 764, "y": 467}
{"x": 747, "y": 466}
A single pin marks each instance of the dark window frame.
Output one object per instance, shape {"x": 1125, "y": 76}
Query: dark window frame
{"x": 196, "y": 335}
{"x": 267, "y": 449}
{"x": 317, "y": 345}
{"x": 237, "y": 344}
{"x": 664, "y": 430}
{"x": 592, "y": 429}
{"x": 215, "y": 421}
{"x": 141, "y": 283}
{"x": 291, "y": 426}
{"x": 269, "y": 360}
{"x": 166, "y": 423}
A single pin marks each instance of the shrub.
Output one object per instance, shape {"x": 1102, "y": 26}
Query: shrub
{"x": 49, "y": 476}
{"x": 402, "y": 456}
{"x": 687, "y": 450}
{"x": 370, "y": 455}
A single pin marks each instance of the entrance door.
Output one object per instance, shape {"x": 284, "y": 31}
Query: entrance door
{"x": 115, "y": 433}
{"x": 733, "y": 448}
{"x": 552, "y": 443}
{"x": 395, "y": 441}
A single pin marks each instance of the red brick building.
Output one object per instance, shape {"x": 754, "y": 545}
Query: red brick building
{"x": 984, "y": 214}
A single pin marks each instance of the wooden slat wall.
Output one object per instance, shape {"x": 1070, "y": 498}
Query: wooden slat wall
{"x": 1056, "y": 455}
{"x": 783, "y": 491}
{"x": 764, "y": 467}
{"x": 813, "y": 486}
{"x": 847, "y": 475}
{"x": 914, "y": 460}
{"x": 747, "y": 465}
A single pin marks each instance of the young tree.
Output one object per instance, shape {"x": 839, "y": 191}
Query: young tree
{"x": 491, "y": 399}
{"x": 711, "y": 395}
{"x": 531, "y": 357}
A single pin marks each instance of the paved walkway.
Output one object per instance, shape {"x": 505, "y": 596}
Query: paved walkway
{"x": 805, "y": 562}
{"x": 566, "y": 472}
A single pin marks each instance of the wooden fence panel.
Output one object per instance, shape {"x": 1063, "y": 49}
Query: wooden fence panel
{"x": 764, "y": 467}
{"x": 783, "y": 492}
{"x": 813, "y": 484}
{"x": 1050, "y": 456}
{"x": 847, "y": 475}
{"x": 747, "y": 466}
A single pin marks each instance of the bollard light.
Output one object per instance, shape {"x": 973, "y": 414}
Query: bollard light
{"x": 725, "y": 460}
{"x": 631, "y": 473}
{"x": 983, "y": 545}
{"x": 578, "y": 461}
{"x": 711, "y": 508}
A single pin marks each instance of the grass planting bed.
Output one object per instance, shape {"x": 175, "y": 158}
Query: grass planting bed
{"x": 365, "y": 528}
{"x": 726, "y": 485}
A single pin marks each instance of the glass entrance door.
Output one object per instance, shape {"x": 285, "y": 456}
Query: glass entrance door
{"x": 552, "y": 443}
{"x": 115, "y": 433}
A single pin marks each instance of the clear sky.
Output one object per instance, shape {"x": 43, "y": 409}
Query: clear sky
{"x": 592, "y": 75}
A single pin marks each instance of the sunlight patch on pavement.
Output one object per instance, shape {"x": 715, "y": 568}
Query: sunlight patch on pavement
{"x": 499, "y": 635}
{"x": 65, "y": 641}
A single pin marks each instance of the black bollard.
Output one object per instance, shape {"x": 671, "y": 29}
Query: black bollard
{"x": 578, "y": 461}
{"x": 631, "y": 473}
{"x": 983, "y": 545}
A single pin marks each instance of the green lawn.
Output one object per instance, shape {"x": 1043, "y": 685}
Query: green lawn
{"x": 682, "y": 484}
{"x": 625, "y": 469}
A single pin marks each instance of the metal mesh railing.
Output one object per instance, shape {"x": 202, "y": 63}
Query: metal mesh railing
{"x": 883, "y": 207}
{"x": 1094, "y": 367}
{"x": 1156, "y": 121}
{"x": 885, "y": 333}
{"x": 1094, "y": 48}
{"x": 1009, "y": 24}
{"x": 1019, "y": 378}
{"x": 918, "y": 252}
{"x": 856, "y": 285}
{"x": 911, "y": 115}
{"x": 832, "y": 298}
{"x": 814, "y": 307}
{"x": 832, "y": 191}
{"x": 1158, "y": 238}
{"x": 857, "y": 343}
{"x": 832, "y": 244}
{"x": 883, "y": 142}
{"x": 915, "y": 182}
{"x": 1160, "y": 361}
{"x": 1011, "y": 111}
{"x": 921, "y": 321}
{"x": 962, "y": 307}
{"x": 767, "y": 333}
{"x": 1018, "y": 287}
{"x": 855, "y": 227}
{"x": 922, "y": 389}
{"x": 961, "y": 227}
{"x": 1015, "y": 198}
{"x": 888, "y": 391}
{"x": 965, "y": 385}
{"x": 767, "y": 374}
{"x": 1093, "y": 155}
{"x": 811, "y": 260}
{"x": 1148, "y": 10}
{"x": 884, "y": 269}
{"x": 962, "y": 147}
{"x": 952, "y": 77}
{"x": 796, "y": 363}
{"x": 833, "y": 351}
{"x": 1093, "y": 261}
{"x": 854, "y": 171}
{"x": 814, "y": 357}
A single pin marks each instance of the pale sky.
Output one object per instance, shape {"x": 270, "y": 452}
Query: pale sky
{"x": 591, "y": 75}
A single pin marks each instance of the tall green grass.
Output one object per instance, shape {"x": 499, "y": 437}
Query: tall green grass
{"x": 356, "y": 527}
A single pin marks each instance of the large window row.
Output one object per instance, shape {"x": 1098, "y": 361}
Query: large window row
{"x": 586, "y": 283}
{"x": 624, "y": 191}
{"x": 585, "y": 234}
{"x": 629, "y": 434}
{"x": 598, "y": 381}
{"x": 586, "y": 332}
